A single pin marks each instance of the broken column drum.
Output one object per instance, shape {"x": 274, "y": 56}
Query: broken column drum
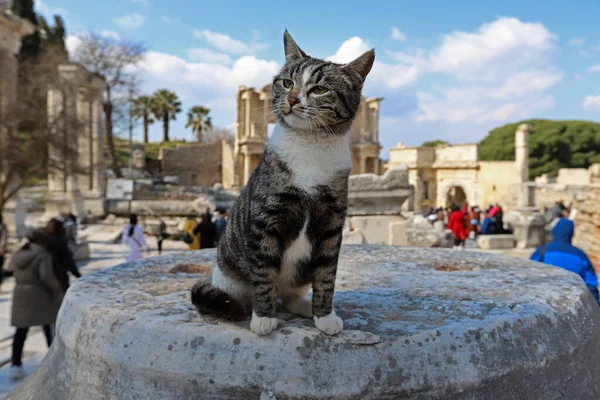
{"x": 419, "y": 324}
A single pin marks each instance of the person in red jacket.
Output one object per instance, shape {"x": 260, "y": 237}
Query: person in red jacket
{"x": 456, "y": 223}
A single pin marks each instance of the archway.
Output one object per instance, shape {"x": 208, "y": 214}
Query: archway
{"x": 456, "y": 195}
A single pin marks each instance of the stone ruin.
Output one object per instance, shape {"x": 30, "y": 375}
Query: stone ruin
{"x": 418, "y": 323}
{"x": 376, "y": 213}
{"x": 374, "y": 203}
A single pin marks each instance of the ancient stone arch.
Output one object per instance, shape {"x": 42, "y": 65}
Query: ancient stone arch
{"x": 254, "y": 114}
{"x": 456, "y": 192}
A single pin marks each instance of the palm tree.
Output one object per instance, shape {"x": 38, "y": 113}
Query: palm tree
{"x": 142, "y": 109}
{"x": 199, "y": 120}
{"x": 165, "y": 106}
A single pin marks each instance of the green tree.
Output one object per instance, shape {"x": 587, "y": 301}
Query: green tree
{"x": 199, "y": 121}
{"x": 30, "y": 44}
{"x": 142, "y": 109}
{"x": 166, "y": 106}
{"x": 552, "y": 145}
{"x": 434, "y": 143}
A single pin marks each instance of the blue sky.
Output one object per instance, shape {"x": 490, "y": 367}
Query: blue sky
{"x": 449, "y": 70}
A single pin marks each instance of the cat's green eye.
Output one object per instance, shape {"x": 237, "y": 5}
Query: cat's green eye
{"x": 319, "y": 90}
{"x": 288, "y": 84}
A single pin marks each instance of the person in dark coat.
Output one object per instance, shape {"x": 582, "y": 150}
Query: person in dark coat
{"x": 36, "y": 297}
{"x": 561, "y": 253}
{"x": 208, "y": 232}
{"x": 220, "y": 222}
{"x": 62, "y": 258}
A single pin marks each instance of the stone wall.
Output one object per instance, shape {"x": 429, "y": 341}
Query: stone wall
{"x": 195, "y": 165}
{"x": 587, "y": 222}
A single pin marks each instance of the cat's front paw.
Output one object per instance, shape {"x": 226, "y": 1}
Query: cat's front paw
{"x": 262, "y": 325}
{"x": 330, "y": 324}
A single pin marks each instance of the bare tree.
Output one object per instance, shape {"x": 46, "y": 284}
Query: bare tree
{"x": 116, "y": 61}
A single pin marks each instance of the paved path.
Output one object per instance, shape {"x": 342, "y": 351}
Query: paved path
{"x": 104, "y": 254}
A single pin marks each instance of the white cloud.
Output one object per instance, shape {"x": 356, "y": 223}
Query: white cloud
{"x": 208, "y": 56}
{"x": 208, "y": 82}
{"x": 397, "y": 35}
{"x": 227, "y": 44}
{"x": 476, "y": 105}
{"x": 145, "y": 3}
{"x": 500, "y": 72}
{"x": 110, "y": 34}
{"x": 506, "y": 43}
{"x": 526, "y": 83}
{"x": 130, "y": 22}
{"x": 72, "y": 42}
{"x": 211, "y": 84}
{"x": 594, "y": 69}
{"x": 350, "y": 50}
{"x": 383, "y": 76}
{"x": 591, "y": 103}
{"x": 577, "y": 41}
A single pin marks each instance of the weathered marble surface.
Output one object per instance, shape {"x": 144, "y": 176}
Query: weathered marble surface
{"x": 419, "y": 323}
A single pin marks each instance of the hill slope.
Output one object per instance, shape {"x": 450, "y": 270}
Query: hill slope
{"x": 552, "y": 145}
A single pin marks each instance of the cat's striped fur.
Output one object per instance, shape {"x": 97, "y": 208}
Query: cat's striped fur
{"x": 285, "y": 230}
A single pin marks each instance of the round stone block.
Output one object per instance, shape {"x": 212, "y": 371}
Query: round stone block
{"x": 419, "y": 324}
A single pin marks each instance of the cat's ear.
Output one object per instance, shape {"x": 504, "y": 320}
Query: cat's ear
{"x": 292, "y": 51}
{"x": 363, "y": 64}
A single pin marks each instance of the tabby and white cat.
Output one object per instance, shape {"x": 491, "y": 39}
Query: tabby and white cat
{"x": 285, "y": 230}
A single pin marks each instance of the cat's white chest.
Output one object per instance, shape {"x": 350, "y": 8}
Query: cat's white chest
{"x": 313, "y": 160}
{"x": 299, "y": 250}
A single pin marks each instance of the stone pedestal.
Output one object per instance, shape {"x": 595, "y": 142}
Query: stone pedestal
{"x": 419, "y": 324}
{"x": 370, "y": 194}
{"x": 528, "y": 226}
{"x": 496, "y": 242}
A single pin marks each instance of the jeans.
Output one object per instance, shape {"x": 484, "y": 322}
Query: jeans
{"x": 19, "y": 342}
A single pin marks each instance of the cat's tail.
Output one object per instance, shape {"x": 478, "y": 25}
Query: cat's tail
{"x": 212, "y": 300}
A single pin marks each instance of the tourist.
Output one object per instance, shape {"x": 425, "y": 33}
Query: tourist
{"x": 70, "y": 224}
{"x": 189, "y": 237}
{"x": 162, "y": 235}
{"x": 487, "y": 226}
{"x": 497, "y": 215}
{"x": 456, "y": 223}
{"x": 133, "y": 237}
{"x": 62, "y": 259}
{"x": 220, "y": 222}
{"x": 561, "y": 253}
{"x": 558, "y": 210}
{"x": 474, "y": 222}
{"x": 207, "y": 231}
{"x": 36, "y": 297}
{"x": 3, "y": 245}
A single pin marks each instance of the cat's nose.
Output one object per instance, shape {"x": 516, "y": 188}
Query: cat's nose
{"x": 293, "y": 100}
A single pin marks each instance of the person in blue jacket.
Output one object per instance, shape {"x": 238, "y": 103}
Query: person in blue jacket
{"x": 561, "y": 253}
{"x": 487, "y": 227}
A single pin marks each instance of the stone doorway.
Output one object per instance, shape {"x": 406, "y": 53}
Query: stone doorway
{"x": 456, "y": 195}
